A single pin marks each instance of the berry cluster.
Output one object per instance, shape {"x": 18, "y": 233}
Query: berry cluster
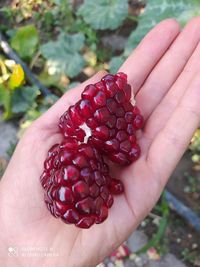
{"x": 78, "y": 187}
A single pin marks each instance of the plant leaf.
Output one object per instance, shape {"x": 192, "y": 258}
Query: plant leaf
{"x": 115, "y": 63}
{"x": 63, "y": 55}
{"x": 23, "y": 98}
{"x": 157, "y": 10}
{"x": 5, "y": 101}
{"x": 73, "y": 85}
{"x": 25, "y": 41}
{"x": 47, "y": 102}
{"x": 50, "y": 80}
{"x": 104, "y": 14}
{"x": 56, "y": 80}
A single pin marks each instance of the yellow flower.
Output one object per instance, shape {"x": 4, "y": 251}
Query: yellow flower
{"x": 17, "y": 76}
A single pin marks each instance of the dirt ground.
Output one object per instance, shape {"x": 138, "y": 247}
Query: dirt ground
{"x": 185, "y": 183}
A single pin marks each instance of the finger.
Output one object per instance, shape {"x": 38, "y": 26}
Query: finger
{"x": 166, "y": 107}
{"x": 148, "y": 53}
{"x": 169, "y": 68}
{"x": 170, "y": 143}
{"x": 51, "y": 117}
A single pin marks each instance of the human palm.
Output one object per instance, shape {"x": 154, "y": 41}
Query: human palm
{"x": 163, "y": 72}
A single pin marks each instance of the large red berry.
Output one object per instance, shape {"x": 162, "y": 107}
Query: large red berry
{"x": 78, "y": 188}
{"x": 106, "y": 109}
{"x": 76, "y": 180}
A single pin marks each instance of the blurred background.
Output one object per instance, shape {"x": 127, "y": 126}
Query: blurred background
{"x": 48, "y": 47}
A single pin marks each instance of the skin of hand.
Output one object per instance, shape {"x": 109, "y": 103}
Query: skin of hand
{"x": 165, "y": 76}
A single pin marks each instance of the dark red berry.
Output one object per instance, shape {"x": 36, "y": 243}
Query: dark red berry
{"x": 100, "y": 99}
{"x": 120, "y": 97}
{"x": 101, "y": 132}
{"x": 70, "y": 216}
{"x": 127, "y": 91}
{"x": 113, "y": 114}
{"x": 76, "y": 180}
{"x": 85, "y": 108}
{"x": 111, "y": 105}
{"x": 111, "y": 122}
{"x": 138, "y": 122}
{"x": 135, "y": 152}
{"x": 106, "y": 109}
{"x": 71, "y": 173}
{"x": 116, "y": 187}
{"x": 101, "y": 115}
{"x": 121, "y": 136}
{"x": 74, "y": 114}
{"x": 125, "y": 146}
{"x": 78, "y": 190}
{"x": 89, "y": 92}
{"x": 112, "y": 145}
{"x": 91, "y": 123}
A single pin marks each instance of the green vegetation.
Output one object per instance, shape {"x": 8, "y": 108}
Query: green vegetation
{"x": 37, "y": 30}
{"x": 158, "y": 239}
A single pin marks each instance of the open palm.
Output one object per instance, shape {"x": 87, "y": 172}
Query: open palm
{"x": 164, "y": 75}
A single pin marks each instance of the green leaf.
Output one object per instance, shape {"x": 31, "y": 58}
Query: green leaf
{"x": 1, "y": 95}
{"x": 56, "y": 80}
{"x": 23, "y": 98}
{"x": 25, "y": 41}
{"x": 104, "y": 14}
{"x": 5, "y": 101}
{"x": 157, "y": 10}
{"x": 11, "y": 32}
{"x": 50, "y": 80}
{"x": 81, "y": 26}
{"x": 158, "y": 236}
{"x": 115, "y": 63}
{"x": 58, "y": 2}
{"x": 73, "y": 85}
{"x": 63, "y": 55}
{"x": 47, "y": 102}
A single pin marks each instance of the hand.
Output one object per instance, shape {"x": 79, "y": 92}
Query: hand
{"x": 164, "y": 75}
